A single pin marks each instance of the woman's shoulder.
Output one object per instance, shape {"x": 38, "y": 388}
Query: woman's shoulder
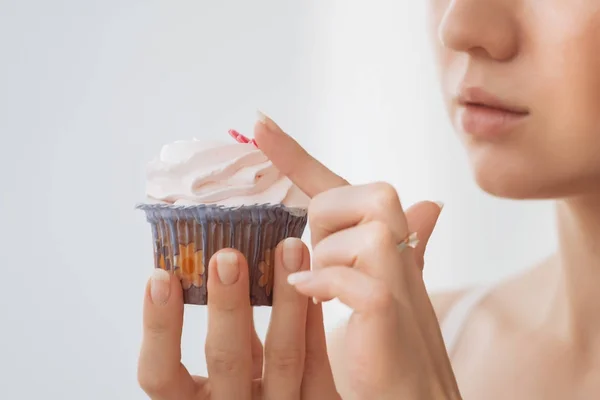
{"x": 501, "y": 306}
{"x": 444, "y": 301}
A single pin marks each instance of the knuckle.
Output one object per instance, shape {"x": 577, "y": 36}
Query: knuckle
{"x": 384, "y": 197}
{"x": 224, "y": 361}
{"x": 156, "y": 330}
{"x": 288, "y": 360}
{"x": 226, "y": 306}
{"x": 378, "y": 236}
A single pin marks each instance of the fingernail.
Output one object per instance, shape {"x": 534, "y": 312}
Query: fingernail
{"x": 160, "y": 286}
{"x": 262, "y": 117}
{"x": 440, "y": 204}
{"x": 227, "y": 267}
{"x": 315, "y": 301}
{"x": 298, "y": 277}
{"x": 292, "y": 254}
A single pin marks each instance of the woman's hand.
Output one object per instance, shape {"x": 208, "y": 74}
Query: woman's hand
{"x": 295, "y": 363}
{"x": 393, "y": 345}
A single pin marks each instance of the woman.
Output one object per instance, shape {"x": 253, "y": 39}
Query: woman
{"x": 522, "y": 88}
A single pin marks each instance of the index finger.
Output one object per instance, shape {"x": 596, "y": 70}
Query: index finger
{"x": 292, "y": 160}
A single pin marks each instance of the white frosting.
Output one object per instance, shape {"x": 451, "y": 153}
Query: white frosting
{"x": 228, "y": 174}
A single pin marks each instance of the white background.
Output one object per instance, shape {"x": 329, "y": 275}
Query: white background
{"x": 90, "y": 90}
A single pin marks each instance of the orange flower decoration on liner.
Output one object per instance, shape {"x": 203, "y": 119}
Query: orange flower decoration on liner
{"x": 189, "y": 266}
{"x": 266, "y": 269}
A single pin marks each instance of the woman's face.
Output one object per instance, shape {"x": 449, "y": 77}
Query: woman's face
{"x": 521, "y": 82}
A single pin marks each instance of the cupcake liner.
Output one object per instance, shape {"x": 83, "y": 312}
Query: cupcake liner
{"x": 186, "y": 237}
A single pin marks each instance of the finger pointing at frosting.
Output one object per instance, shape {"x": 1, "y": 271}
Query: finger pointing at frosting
{"x": 292, "y": 160}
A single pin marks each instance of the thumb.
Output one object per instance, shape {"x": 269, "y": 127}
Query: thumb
{"x": 422, "y": 218}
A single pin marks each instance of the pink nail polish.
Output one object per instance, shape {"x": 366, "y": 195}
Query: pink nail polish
{"x": 241, "y": 138}
{"x": 238, "y": 136}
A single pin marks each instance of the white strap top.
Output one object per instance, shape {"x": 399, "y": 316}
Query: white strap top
{"x": 456, "y": 318}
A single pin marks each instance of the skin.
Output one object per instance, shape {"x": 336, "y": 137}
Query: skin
{"x": 535, "y": 54}
{"x": 392, "y": 341}
{"x": 535, "y": 336}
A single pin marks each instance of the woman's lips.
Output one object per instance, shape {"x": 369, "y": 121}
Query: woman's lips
{"x": 488, "y": 122}
{"x": 484, "y": 115}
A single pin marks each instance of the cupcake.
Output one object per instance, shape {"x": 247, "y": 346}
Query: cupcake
{"x": 204, "y": 196}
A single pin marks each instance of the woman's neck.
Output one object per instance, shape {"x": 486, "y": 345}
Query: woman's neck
{"x": 577, "y": 299}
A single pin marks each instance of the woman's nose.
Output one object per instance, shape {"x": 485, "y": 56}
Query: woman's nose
{"x": 481, "y": 28}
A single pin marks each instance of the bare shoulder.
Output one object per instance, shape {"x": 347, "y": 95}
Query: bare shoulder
{"x": 443, "y": 301}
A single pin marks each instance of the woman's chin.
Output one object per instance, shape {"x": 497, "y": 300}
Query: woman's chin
{"x": 509, "y": 172}
{"x": 509, "y": 186}
{"x": 533, "y": 184}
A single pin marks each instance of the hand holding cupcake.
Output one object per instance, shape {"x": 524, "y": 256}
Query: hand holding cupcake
{"x": 363, "y": 255}
{"x": 207, "y": 196}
